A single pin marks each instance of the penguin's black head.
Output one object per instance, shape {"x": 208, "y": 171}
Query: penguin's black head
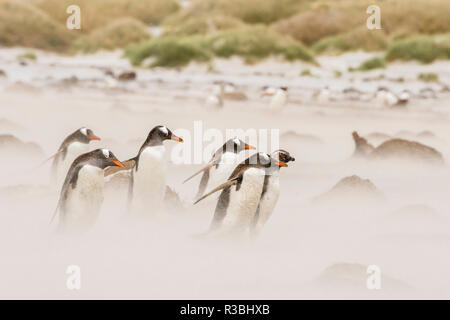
{"x": 159, "y": 134}
{"x": 284, "y": 88}
{"x": 282, "y": 156}
{"x": 236, "y": 145}
{"x": 103, "y": 158}
{"x": 264, "y": 160}
{"x": 85, "y": 135}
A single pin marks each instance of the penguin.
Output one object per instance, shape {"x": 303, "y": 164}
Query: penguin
{"x": 269, "y": 194}
{"x": 148, "y": 175}
{"x": 386, "y": 97}
{"x": 81, "y": 195}
{"x": 323, "y": 95}
{"x": 279, "y": 98}
{"x": 73, "y": 145}
{"x": 240, "y": 195}
{"x": 221, "y": 165}
{"x": 216, "y": 98}
{"x": 403, "y": 98}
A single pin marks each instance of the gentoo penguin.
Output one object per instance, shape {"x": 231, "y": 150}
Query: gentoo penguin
{"x": 323, "y": 95}
{"x": 221, "y": 165}
{"x": 279, "y": 98}
{"x": 386, "y": 97}
{"x": 82, "y": 192}
{"x": 216, "y": 98}
{"x": 74, "y": 145}
{"x": 270, "y": 193}
{"x": 148, "y": 176}
{"x": 241, "y": 194}
{"x": 403, "y": 98}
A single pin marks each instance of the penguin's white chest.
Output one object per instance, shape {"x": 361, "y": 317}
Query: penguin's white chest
{"x": 74, "y": 150}
{"x": 244, "y": 201}
{"x": 85, "y": 200}
{"x": 150, "y": 179}
{"x": 219, "y": 175}
{"x": 268, "y": 200}
{"x": 279, "y": 101}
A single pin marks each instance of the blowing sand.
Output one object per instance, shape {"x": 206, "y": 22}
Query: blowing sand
{"x": 308, "y": 249}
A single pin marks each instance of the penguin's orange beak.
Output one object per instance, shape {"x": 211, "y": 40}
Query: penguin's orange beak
{"x": 281, "y": 164}
{"x": 173, "y": 137}
{"x": 267, "y": 94}
{"x": 248, "y": 147}
{"x": 118, "y": 163}
{"x": 94, "y": 137}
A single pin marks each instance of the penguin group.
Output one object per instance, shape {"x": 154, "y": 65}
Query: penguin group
{"x": 249, "y": 190}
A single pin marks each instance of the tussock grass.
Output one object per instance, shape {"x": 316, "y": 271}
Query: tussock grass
{"x": 399, "y": 18}
{"x": 428, "y": 77}
{"x": 257, "y": 11}
{"x": 422, "y": 48}
{"x": 98, "y": 13}
{"x": 167, "y": 52}
{"x": 252, "y": 43}
{"x": 374, "y": 63}
{"x": 358, "y": 39}
{"x": 27, "y": 56}
{"x": 201, "y": 25}
{"x": 24, "y": 25}
{"x": 248, "y": 11}
{"x": 117, "y": 34}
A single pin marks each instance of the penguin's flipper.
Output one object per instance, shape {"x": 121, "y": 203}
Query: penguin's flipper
{"x": 207, "y": 167}
{"x": 227, "y": 184}
{"x": 127, "y": 165}
{"x": 49, "y": 158}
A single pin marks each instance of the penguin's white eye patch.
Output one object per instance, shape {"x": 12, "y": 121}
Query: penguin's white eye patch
{"x": 84, "y": 131}
{"x": 236, "y": 141}
{"x": 265, "y": 157}
{"x": 105, "y": 153}
{"x": 164, "y": 130}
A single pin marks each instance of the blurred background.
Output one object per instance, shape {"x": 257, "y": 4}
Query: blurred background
{"x": 135, "y": 64}
{"x": 175, "y": 33}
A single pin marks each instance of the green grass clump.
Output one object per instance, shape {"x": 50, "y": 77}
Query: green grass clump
{"x": 358, "y": 39}
{"x": 257, "y": 11}
{"x": 374, "y": 63}
{"x": 422, "y": 48}
{"x": 167, "y": 51}
{"x": 428, "y": 77}
{"x": 26, "y": 26}
{"x": 118, "y": 34}
{"x": 252, "y": 43}
{"x": 306, "y": 73}
{"x": 200, "y": 25}
{"x": 27, "y": 56}
{"x": 247, "y": 11}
